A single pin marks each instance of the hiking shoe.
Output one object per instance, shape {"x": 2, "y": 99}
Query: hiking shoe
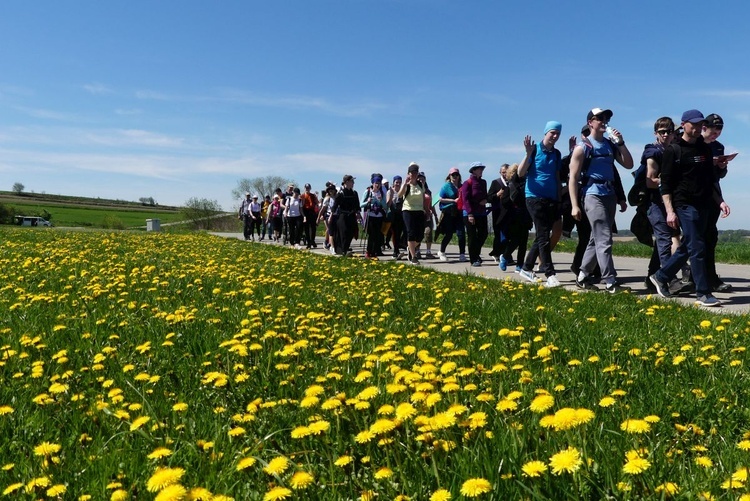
{"x": 708, "y": 300}
{"x": 429, "y": 255}
{"x": 442, "y": 257}
{"x": 400, "y": 255}
{"x": 503, "y": 263}
{"x": 552, "y": 281}
{"x": 529, "y": 275}
{"x": 462, "y": 258}
{"x": 414, "y": 261}
{"x": 615, "y": 288}
{"x": 721, "y": 287}
{"x": 476, "y": 264}
{"x": 649, "y": 286}
{"x": 586, "y": 284}
{"x": 662, "y": 287}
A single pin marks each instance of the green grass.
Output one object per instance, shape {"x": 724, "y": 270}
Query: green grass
{"x": 261, "y": 342}
{"x": 63, "y": 215}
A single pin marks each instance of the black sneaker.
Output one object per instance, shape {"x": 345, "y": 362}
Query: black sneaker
{"x": 585, "y": 284}
{"x": 721, "y": 287}
{"x": 650, "y": 287}
{"x": 662, "y": 288}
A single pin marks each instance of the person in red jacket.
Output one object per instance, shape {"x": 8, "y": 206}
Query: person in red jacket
{"x": 474, "y": 198}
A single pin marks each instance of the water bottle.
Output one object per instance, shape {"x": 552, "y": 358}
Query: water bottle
{"x": 612, "y": 137}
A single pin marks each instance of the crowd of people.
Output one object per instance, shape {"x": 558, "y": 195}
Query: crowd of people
{"x": 676, "y": 192}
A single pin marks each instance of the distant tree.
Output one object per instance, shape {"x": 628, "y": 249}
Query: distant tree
{"x": 260, "y": 186}
{"x": 6, "y": 214}
{"x": 200, "y": 212}
{"x": 147, "y": 201}
{"x": 18, "y": 188}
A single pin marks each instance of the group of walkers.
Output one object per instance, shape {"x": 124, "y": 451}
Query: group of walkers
{"x": 676, "y": 192}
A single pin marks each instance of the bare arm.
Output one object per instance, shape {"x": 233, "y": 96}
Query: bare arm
{"x": 652, "y": 174}
{"x": 576, "y": 163}
{"x": 530, "y": 147}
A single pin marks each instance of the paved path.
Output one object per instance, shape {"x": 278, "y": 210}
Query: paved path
{"x": 631, "y": 272}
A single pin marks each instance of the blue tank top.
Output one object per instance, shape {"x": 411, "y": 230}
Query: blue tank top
{"x": 601, "y": 171}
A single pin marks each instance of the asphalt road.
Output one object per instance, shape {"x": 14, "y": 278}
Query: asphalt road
{"x": 631, "y": 273}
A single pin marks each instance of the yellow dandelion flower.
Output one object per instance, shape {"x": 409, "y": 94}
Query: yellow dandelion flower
{"x": 635, "y": 426}
{"x": 405, "y": 411}
{"x": 382, "y": 426}
{"x": 636, "y": 466}
{"x": 180, "y": 407}
{"x": 175, "y": 492}
{"x": 368, "y": 393}
{"x": 245, "y": 463}
{"x": 668, "y": 488}
{"x": 744, "y": 445}
{"x": 506, "y": 405}
{"x": 318, "y": 427}
{"x": 477, "y": 420}
{"x": 301, "y": 432}
{"x": 607, "y": 402}
{"x": 119, "y": 495}
{"x": 542, "y": 403}
{"x": 704, "y": 462}
{"x": 343, "y": 461}
{"x": 164, "y": 477}
{"x": 383, "y": 473}
{"x": 160, "y": 452}
{"x": 236, "y": 431}
{"x": 277, "y": 466}
{"x": 440, "y": 495}
{"x": 533, "y": 469}
{"x": 46, "y": 449}
{"x": 364, "y": 436}
{"x": 475, "y": 487}
{"x": 139, "y": 422}
{"x": 6, "y": 409}
{"x": 301, "y": 479}
{"x": 12, "y": 488}
{"x": 567, "y": 461}
{"x": 277, "y": 493}
{"x": 203, "y": 494}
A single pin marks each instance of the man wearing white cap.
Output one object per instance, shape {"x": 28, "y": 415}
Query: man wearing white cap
{"x": 592, "y": 173}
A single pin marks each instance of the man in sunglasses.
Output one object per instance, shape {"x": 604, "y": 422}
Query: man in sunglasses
{"x": 711, "y": 132}
{"x": 689, "y": 188}
{"x": 592, "y": 173}
{"x": 665, "y": 237}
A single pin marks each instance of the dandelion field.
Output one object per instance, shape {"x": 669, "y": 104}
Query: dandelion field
{"x": 153, "y": 366}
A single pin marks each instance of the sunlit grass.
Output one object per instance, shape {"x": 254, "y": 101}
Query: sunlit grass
{"x": 192, "y": 367}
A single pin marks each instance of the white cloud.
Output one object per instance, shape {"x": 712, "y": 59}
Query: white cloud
{"x": 98, "y": 89}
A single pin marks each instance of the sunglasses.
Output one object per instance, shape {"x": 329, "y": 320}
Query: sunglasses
{"x": 455, "y": 174}
{"x": 664, "y": 131}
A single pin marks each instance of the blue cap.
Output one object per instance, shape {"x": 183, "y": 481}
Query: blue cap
{"x": 397, "y": 178}
{"x": 693, "y": 116}
{"x": 552, "y": 125}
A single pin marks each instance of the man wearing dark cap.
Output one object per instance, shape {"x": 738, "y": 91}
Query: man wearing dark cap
{"x": 689, "y": 188}
{"x": 711, "y": 132}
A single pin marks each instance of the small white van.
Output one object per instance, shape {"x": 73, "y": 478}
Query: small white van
{"x": 32, "y": 221}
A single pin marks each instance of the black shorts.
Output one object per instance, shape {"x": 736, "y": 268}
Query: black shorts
{"x": 414, "y": 222}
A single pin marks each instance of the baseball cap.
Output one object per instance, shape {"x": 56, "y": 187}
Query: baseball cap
{"x": 454, "y": 170}
{"x": 714, "y": 120}
{"x": 598, "y": 111}
{"x": 585, "y": 131}
{"x": 413, "y": 167}
{"x": 693, "y": 116}
{"x": 307, "y": 186}
{"x": 348, "y": 178}
{"x": 247, "y": 193}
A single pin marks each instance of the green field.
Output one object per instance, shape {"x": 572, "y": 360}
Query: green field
{"x": 186, "y": 366}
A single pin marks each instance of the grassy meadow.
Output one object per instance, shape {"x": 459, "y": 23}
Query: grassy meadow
{"x": 183, "y": 366}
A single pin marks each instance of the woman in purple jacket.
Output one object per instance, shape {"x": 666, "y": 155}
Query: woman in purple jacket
{"x": 474, "y": 198}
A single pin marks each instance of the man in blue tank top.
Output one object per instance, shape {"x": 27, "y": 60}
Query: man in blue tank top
{"x": 592, "y": 185}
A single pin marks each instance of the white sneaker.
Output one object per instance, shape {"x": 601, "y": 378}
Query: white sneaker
{"x": 442, "y": 256}
{"x": 462, "y": 258}
{"x": 552, "y": 281}
{"x": 529, "y": 275}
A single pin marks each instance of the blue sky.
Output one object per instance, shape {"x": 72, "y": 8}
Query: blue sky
{"x": 174, "y": 100}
